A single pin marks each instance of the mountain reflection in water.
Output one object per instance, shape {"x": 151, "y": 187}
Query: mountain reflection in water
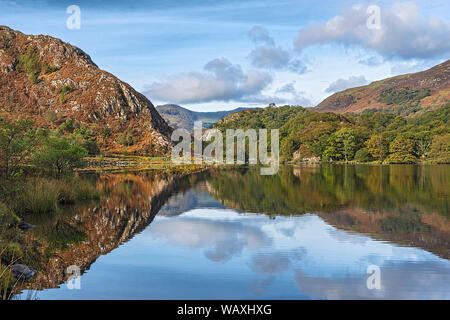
{"x": 305, "y": 233}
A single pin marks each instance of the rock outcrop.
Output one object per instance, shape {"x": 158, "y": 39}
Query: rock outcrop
{"x": 49, "y": 81}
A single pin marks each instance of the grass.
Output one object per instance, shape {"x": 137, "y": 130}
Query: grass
{"x": 45, "y": 195}
{"x": 38, "y": 197}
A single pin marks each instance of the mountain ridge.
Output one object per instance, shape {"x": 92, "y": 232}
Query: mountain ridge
{"x": 179, "y": 117}
{"x": 427, "y": 89}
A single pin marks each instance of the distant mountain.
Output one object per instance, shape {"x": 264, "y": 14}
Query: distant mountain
{"x": 50, "y": 81}
{"x": 405, "y": 94}
{"x": 179, "y": 117}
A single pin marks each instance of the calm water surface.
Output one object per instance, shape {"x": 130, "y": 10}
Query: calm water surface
{"x": 310, "y": 232}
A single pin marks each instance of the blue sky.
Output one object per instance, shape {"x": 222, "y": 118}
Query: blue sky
{"x": 216, "y": 55}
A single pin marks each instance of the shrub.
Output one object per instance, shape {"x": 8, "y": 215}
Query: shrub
{"x": 106, "y": 132}
{"x": 62, "y": 99}
{"x": 125, "y": 140}
{"x": 68, "y": 126}
{"x": 65, "y": 89}
{"x": 51, "y": 116}
{"x": 85, "y": 138}
{"x": 30, "y": 63}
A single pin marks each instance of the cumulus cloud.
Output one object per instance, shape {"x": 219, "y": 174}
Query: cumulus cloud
{"x": 270, "y": 57}
{"x": 267, "y": 55}
{"x": 342, "y": 84}
{"x": 220, "y": 81}
{"x": 403, "y": 32}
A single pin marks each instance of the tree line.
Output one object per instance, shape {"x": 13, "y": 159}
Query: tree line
{"x": 368, "y": 137}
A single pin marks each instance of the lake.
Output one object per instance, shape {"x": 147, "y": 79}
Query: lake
{"x": 309, "y": 232}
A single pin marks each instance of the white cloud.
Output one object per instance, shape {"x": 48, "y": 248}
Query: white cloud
{"x": 404, "y": 32}
{"x": 221, "y": 81}
{"x": 342, "y": 84}
{"x": 270, "y": 56}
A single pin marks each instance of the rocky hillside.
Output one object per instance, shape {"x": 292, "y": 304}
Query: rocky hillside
{"x": 179, "y": 117}
{"x": 50, "y": 81}
{"x": 407, "y": 93}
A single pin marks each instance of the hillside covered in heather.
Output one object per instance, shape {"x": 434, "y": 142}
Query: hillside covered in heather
{"x": 57, "y": 86}
{"x": 405, "y": 94}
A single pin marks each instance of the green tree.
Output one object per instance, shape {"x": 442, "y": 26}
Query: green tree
{"x": 377, "y": 147}
{"x": 402, "y": 151}
{"x": 84, "y": 137}
{"x": 423, "y": 143}
{"x": 440, "y": 149}
{"x": 60, "y": 154}
{"x": 341, "y": 145}
{"x": 333, "y": 151}
{"x": 348, "y": 140}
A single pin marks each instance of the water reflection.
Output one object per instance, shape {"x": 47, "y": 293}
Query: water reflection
{"x": 307, "y": 233}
